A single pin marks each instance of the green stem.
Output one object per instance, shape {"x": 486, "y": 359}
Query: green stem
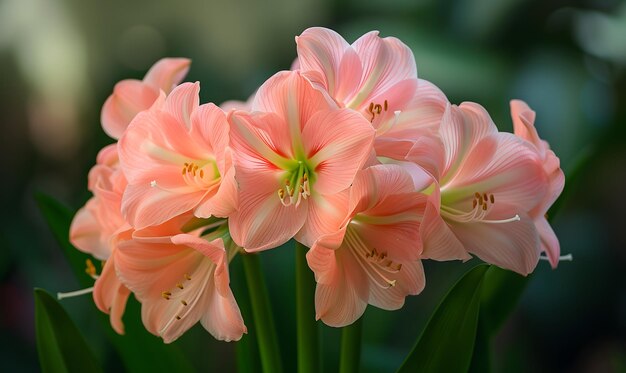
{"x": 351, "y": 347}
{"x": 262, "y": 313}
{"x": 308, "y": 340}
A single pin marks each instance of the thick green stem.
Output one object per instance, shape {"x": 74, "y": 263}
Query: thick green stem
{"x": 262, "y": 313}
{"x": 351, "y": 347}
{"x": 308, "y": 340}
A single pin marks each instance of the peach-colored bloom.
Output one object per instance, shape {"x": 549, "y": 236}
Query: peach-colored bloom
{"x": 523, "y": 125}
{"x": 174, "y": 157}
{"x": 132, "y": 96}
{"x": 295, "y": 150}
{"x": 372, "y": 253}
{"x": 180, "y": 279}
{"x": 95, "y": 230}
{"x": 487, "y": 185}
{"x": 377, "y": 77}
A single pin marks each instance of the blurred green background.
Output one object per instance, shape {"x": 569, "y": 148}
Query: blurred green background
{"x": 59, "y": 60}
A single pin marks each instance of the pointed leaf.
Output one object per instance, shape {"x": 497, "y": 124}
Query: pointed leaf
{"x": 447, "y": 342}
{"x": 60, "y": 345}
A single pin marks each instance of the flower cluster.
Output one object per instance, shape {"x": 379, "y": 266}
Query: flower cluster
{"x": 349, "y": 153}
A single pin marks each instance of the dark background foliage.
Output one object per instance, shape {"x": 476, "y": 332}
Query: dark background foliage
{"x": 59, "y": 59}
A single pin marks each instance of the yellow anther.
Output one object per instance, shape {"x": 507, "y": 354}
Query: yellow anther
{"x": 166, "y": 295}
{"x": 201, "y": 173}
{"x": 183, "y": 302}
{"x": 90, "y": 268}
{"x": 492, "y": 199}
{"x": 180, "y": 286}
{"x": 178, "y": 317}
{"x": 187, "y": 277}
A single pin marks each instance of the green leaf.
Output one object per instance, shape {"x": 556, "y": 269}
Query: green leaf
{"x": 60, "y": 345}
{"x": 139, "y": 350}
{"x": 447, "y": 342}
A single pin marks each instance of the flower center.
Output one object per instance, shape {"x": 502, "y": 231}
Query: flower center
{"x": 198, "y": 174}
{"x": 297, "y": 185}
{"x": 481, "y": 206}
{"x": 201, "y": 175}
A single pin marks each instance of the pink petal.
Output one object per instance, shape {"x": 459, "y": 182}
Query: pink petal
{"x": 292, "y": 98}
{"x": 208, "y": 122}
{"x": 388, "y": 212}
{"x": 511, "y": 245}
{"x": 167, "y": 73}
{"x": 129, "y": 98}
{"x": 225, "y": 200}
{"x": 322, "y": 50}
{"x": 440, "y": 243}
{"x": 182, "y": 102}
{"x": 327, "y": 215}
{"x": 144, "y": 205}
{"x": 342, "y": 301}
{"x": 549, "y": 242}
{"x": 385, "y": 61}
{"x": 260, "y": 141}
{"x": 262, "y": 222}
{"x": 504, "y": 166}
{"x": 411, "y": 281}
{"x": 85, "y": 232}
{"x": 110, "y": 295}
{"x": 461, "y": 129}
{"x": 337, "y": 143}
{"x": 428, "y": 153}
{"x": 523, "y": 122}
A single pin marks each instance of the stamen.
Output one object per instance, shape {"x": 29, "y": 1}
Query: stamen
{"x": 371, "y": 261}
{"x": 562, "y": 258}
{"x": 180, "y": 286}
{"x": 481, "y": 205}
{"x": 183, "y": 302}
{"x": 91, "y": 269}
{"x": 178, "y": 317}
{"x": 166, "y": 295}
{"x": 74, "y": 293}
{"x": 376, "y": 109}
{"x": 187, "y": 277}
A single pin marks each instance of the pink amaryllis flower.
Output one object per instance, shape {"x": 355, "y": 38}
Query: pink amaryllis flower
{"x": 372, "y": 253}
{"x": 377, "y": 77}
{"x": 293, "y": 152}
{"x": 96, "y": 229}
{"x": 180, "y": 279}
{"x": 487, "y": 183}
{"x": 132, "y": 96}
{"x": 174, "y": 157}
{"x": 523, "y": 125}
